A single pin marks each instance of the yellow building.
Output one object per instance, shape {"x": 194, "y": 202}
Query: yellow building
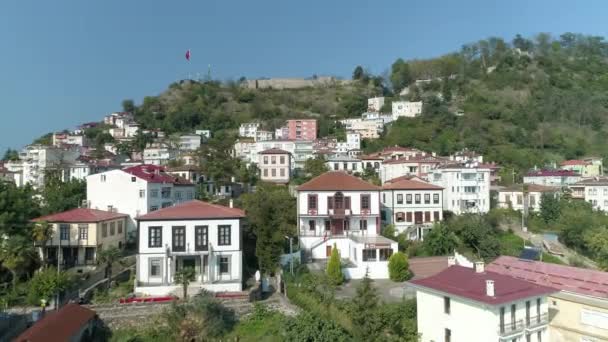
{"x": 78, "y": 234}
{"x": 579, "y": 312}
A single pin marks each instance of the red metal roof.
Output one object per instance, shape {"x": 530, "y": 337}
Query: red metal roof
{"x": 417, "y": 159}
{"x": 193, "y": 210}
{"x": 409, "y": 184}
{"x": 337, "y": 181}
{"x": 465, "y": 282}
{"x": 58, "y": 326}
{"x": 565, "y": 278}
{"x": 552, "y": 173}
{"x": 574, "y": 162}
{"x": 84, "y": 215}
{"x": 155, "y": 174}
{"x": 274, "y": 151}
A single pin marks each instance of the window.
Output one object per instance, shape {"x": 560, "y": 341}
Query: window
{"x": 153, "y": 208}
{"x": 347, "y": 202}
{"x": 282, "y": 159}
{"x": 155, "y": 237}
{"x": 399, "y": 217}
{"x": 354, "y": 166}
{"x": 427, "y": 216}
{"x": 345, "y": 165}
{"x": 446, "y": 305}
{"x": 436, "y": 216}
{"x": 133, "y": 179}
{"x": 519, "y": 199}
{"x": 312, "y": 202}
{"x": 103, "y": 178}
{"x": 385, "y": 253}
{"x": 427, "y": 198}
{"x": 365, "y": 202}
{"x": 119, "y": 223}
{"x": 83, "y": 231}
{"x": 528, "y": 312}
{"x": 327, "y": 225}
{"x": 448, "y": 335}
{"x": 435, "y": 198}
{"x": 528, "y": 338}
{"x": 265, "y": 172}
{"x": 104, "y": 230}
{"x": 224, "y": 264}
{"x": 154, "y": 193}
{"x": 417, "y": 198}
{"x": 532, "y": 200}
{"x": 201, "y": 238}
{"x": 336, "y": 167}
{"x": 223, "y": 235}
{"x": 311, "y": 225}
{"x": 273, "y": 160}
{"x": 408, "y": 199}
{"x": 179, "y": 239}
{"x": 408, "y": 217}
{"x": 282, "y": 172}
{"x": 538, "y": 310}
{"x": 155, "y": 268}
{"x": 64, "y": 231}
{"x": 384, "y": 198}
{"x": 112, "y": 228}
{"x": 142, "y": 193}
{"x": 539, "y": 336}
{"x": 369, "y": 255}
{"x": 363, "y": 225}
{"x": 265, "y": 160}
{"x": 273, "y": 172}
{"x": 502, "y": 320}
{"x": 189, "y": 195}
{"x": 330, "y": 202}
{"x": 178, "y": 195}
{"x": 513, "y": 308}
{"x": 399, "y": 198}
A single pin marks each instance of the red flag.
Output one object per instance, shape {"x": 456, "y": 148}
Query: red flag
{"x": 188, "y": 55}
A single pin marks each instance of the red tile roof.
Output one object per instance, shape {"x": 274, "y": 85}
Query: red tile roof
{"x": 552, "y": 173}
{"x": 337, "y": 181}
{"x": 58, "y": 326}
{"x": 417, "y": 159}
{"x": 81, "y": 215}
{"x": 408, "y": 184}
{"x": 410, "y": 177}
{"x": 274, "y": 151}
{"x": 423, "y": 267}
{"x": 465, "y": 282}
{"x": 155, "y": 174}
{"x": 565, "y": 278}
{"x": 574, "y": 162}
{"x": 531, "y": 188}
{"x": 193, "y": 210}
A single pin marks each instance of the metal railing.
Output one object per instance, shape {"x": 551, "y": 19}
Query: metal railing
{"x": 537, "y": 320}
{"x": 511, "y": 327}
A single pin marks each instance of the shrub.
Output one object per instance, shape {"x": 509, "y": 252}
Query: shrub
{"x": 398, "y": 267}
{"x": 334, "y": 268}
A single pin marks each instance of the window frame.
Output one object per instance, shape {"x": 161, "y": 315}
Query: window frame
{"x": 427, "y": 198}
{"x": 313, "y": 199}
{"x": 228, "y": 264}
{"x": 399, "y": 198}
{"x": 447, "y": 305}
{"x": 435, "y": 198}
{"x": 408, "y": 199}
{"x": 203, "y": 231}
{"x": 224, "y": 239}
{"x": 155, "y": 240}
{"x": 366, "y": 202}
{"x": 177, "y": 233}
{"x": 83, "y": 231}
{"x": 64, "y": 232}
{"x": 160, "y": 267}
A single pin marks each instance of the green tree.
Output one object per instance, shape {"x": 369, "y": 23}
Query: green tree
{"x": 309, "y": 327}
{"x": 60, "y": 196}
{"x": 17, "y": 254}
{"x": 549, "y": 207}
{"x": 400, "y": 75}
{"x": 358, "y": 73}
{"x": 46, "y": 283}
{"x": 18, "y": 205}
{"x": 440, "y": 240}
{"x": 107, "y": 258}
{"x": 184, "y": 277}
{"x": 398, "y": 267}
{"x": 314, "y": 167}
{"x": 128, "y": 106}
{"x": 366, "y": 323}
{"x": 11, "y": 155}
{"x": 334, "y": 267}
{"x": 42, "y": 233}
{"x": 597, "y": 242}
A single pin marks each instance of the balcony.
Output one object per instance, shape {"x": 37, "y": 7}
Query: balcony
{"x": 509, "y": 330}
{"x": 536, "y": 322}
{"x": 339, "y": 213}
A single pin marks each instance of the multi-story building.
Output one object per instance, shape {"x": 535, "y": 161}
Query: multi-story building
{"x": 593, "y": 190}
{"x": 406, "y": 109}
{"x": 203, "y": 236}
{"x": 281, "y": 133}
{"x": 249, "y": 151}
{"x": 513, "y": 197}
{"x": 159, "y": 154}
{"x": 302, "y": 129}
{"x": 64, "y": 138}
{"x": 338, "y": 209}
{"x": 588, "y": 167}
{"x": 189, "y": 142}
{"x": 375, "y": 104}
{"x": 368, "y": 129}
{"x": 579, "y": 311}
{"x": 131, "y": 130}
{"x": 77, "y": 236}
{"x": 560, "y": 178}
{"x": 412, "y": 206}
{"x": 466, "y": 187}
{"x": 249, "y": 129}
{"x": 35, "y": 160}
{"x": 192, "y": 173}
{"x": 137, "y": 191}
{"x": 84, "y": 167}
{"x": 119, "y": 120}
{"x": 261, "y": 135}
{"x": 344, "y": 163}
{"x": 474, "y": 304}
{"x": 417, "y": 165}
{"x": 353, "y": 142}
{"x": 275, "y": 166}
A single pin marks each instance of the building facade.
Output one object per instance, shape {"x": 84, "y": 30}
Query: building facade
{"x": 375, "y": 104}
{"x": 406, "y": 109}
{"x": 344, "y": 163}
{"x": 513, "y": 197}
{"x": 588, "y": 167}
{"x": 198, "y": 235}
{"x": 304, "y": 129}
{"x": 466, "y": 187}
{"x": 559, "y": 178}
{"x": 275, "y": 166}
{"x": 593, "y": 190}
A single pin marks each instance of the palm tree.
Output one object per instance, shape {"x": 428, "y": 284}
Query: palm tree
{"x": 108, "y": 257}
{"x": 42, "y": 233}
{"x": 184, "y": 277}
{"x": 17, "y": 254}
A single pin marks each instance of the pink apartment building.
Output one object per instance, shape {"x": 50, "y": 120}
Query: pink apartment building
{"x": 305, "y": 129}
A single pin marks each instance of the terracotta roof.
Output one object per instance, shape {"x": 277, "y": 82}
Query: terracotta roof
{"x": 411, "y": 177}
{"x": 465, "y": 282}
{"x": 574, "y": 162}
{"x": 531, "y": 188}
{"x": 408, "y": 184}
{"x": 552, "y": 173}
{"x": 184, "y": 168}
{"x": 371, "y": 157}
{"x": 193, "y": 210}
{"x": 336, "y": 181}
{"x": 155, "y": 174}
{"x": 417, "y": 159}
{"x": 58, "y": 326}
{"x": 274, "y": 151}
{"x": 565, "y": 278}
{"x": 78, "y": 215}
{"x": 424, "y": 267}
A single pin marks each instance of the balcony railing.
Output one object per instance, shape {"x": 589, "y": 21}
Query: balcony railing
{"x": 537, "y": 321}
{"x": 511, "y": 328}
{"x": 339, "y": 213}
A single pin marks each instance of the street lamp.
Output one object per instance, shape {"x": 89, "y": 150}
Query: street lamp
{"x": 290, "y": 253}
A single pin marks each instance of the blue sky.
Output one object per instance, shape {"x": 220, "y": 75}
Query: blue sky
{"x": 65, "y": 62}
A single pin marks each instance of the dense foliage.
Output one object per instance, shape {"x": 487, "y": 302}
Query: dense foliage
{"x": 398, "y": 267}
{"x": 334, "y": 267}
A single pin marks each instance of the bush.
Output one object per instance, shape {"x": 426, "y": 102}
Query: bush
{"x": 334, "y": 268}
{"x": 398, "y": 267}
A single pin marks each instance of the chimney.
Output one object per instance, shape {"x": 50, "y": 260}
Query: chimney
{"x": 451, "y": 261}
{"x": 490, "y": 288}
{"x": 479, "y": 267}
{"x": 231, "y": 203}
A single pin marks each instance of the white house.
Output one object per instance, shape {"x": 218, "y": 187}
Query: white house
{"x": 249, "y": 151}
{"x": 69, "y": 139}
{"x": 249, "y": 129}
{"x": 344, "y": 163}
{"x": 137, "y": 191}
{"x": 593, "y": 190}
{"x": 189, "y": 142}
{"x": 374, "y": 104}
{"x": 513, "y": 196}
{"x": 199, "y": 235}
{"x": 559, "y": 178}
{"x": 412, "y": 206}
{"x": 131, "y": 130}
{"x": 336, "y": 208}
{"x": 466, "y": 187}
{"x": 473, "y": 304}
{"x": 419, "y": 165}
{"x": 407, "y": 109}
{"x": 353, "y": 142}
{"x": 35, "y": 160}
{"x": 159, "y": 154}
{"x": 275, "y": 166}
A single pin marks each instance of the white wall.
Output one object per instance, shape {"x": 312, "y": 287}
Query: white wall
{"x": 406, "y": 108}
{"x": 598, "y": 196}
{"x": 456, "y": 186}
{"x": 392, "y": 207}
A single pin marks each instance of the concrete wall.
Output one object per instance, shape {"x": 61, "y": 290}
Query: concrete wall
{"x": 567, "y": 322}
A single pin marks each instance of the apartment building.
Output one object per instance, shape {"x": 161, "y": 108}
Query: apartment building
{"x": 593, "y": 190}
{"x": 36, "y": 160}
{"x": 513, "y": 197}
{"x": 344, "y": 163}
{"x": 419, "y": 165}
{"x": 302, "y": 129}
{"x": 406, "y": 109}
{"x": 375, "y": 104}
{"x": 559, "y": 178}
{"x": 466, "y": 187}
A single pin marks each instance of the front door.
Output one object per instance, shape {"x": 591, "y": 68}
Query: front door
{"x": 338, "y": 227}
{"x": 328, "y": 251}
{"x": 189, "y": 262}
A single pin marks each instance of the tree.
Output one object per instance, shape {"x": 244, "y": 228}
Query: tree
{"x": 42, "y": 233}
{"x": 334, "y": 267}
{"x": 314, "y": 167}
{"x": 309, "y": 327}
{"x": 183, "y": 277}
{"x": 358, "y": 73}
{"x": 366, "y": 323}
{"x": 60, "y": 196}
{"x": 107, "y": 258}
{"x": 398, "y": 267}
{"x": 549, "y": 207}
{"x": 17, "y": 255}
{"x": 128, "y": 106}
{"x": 18, "y": 205}
{"x": 440, "y": 240}
{"x": 400, "y": 75}
{"x": 11, "y": 155}
{"x": 370, "y": 175}
{"x": 47, "y": 283}
{"x": 597, "y": 241}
